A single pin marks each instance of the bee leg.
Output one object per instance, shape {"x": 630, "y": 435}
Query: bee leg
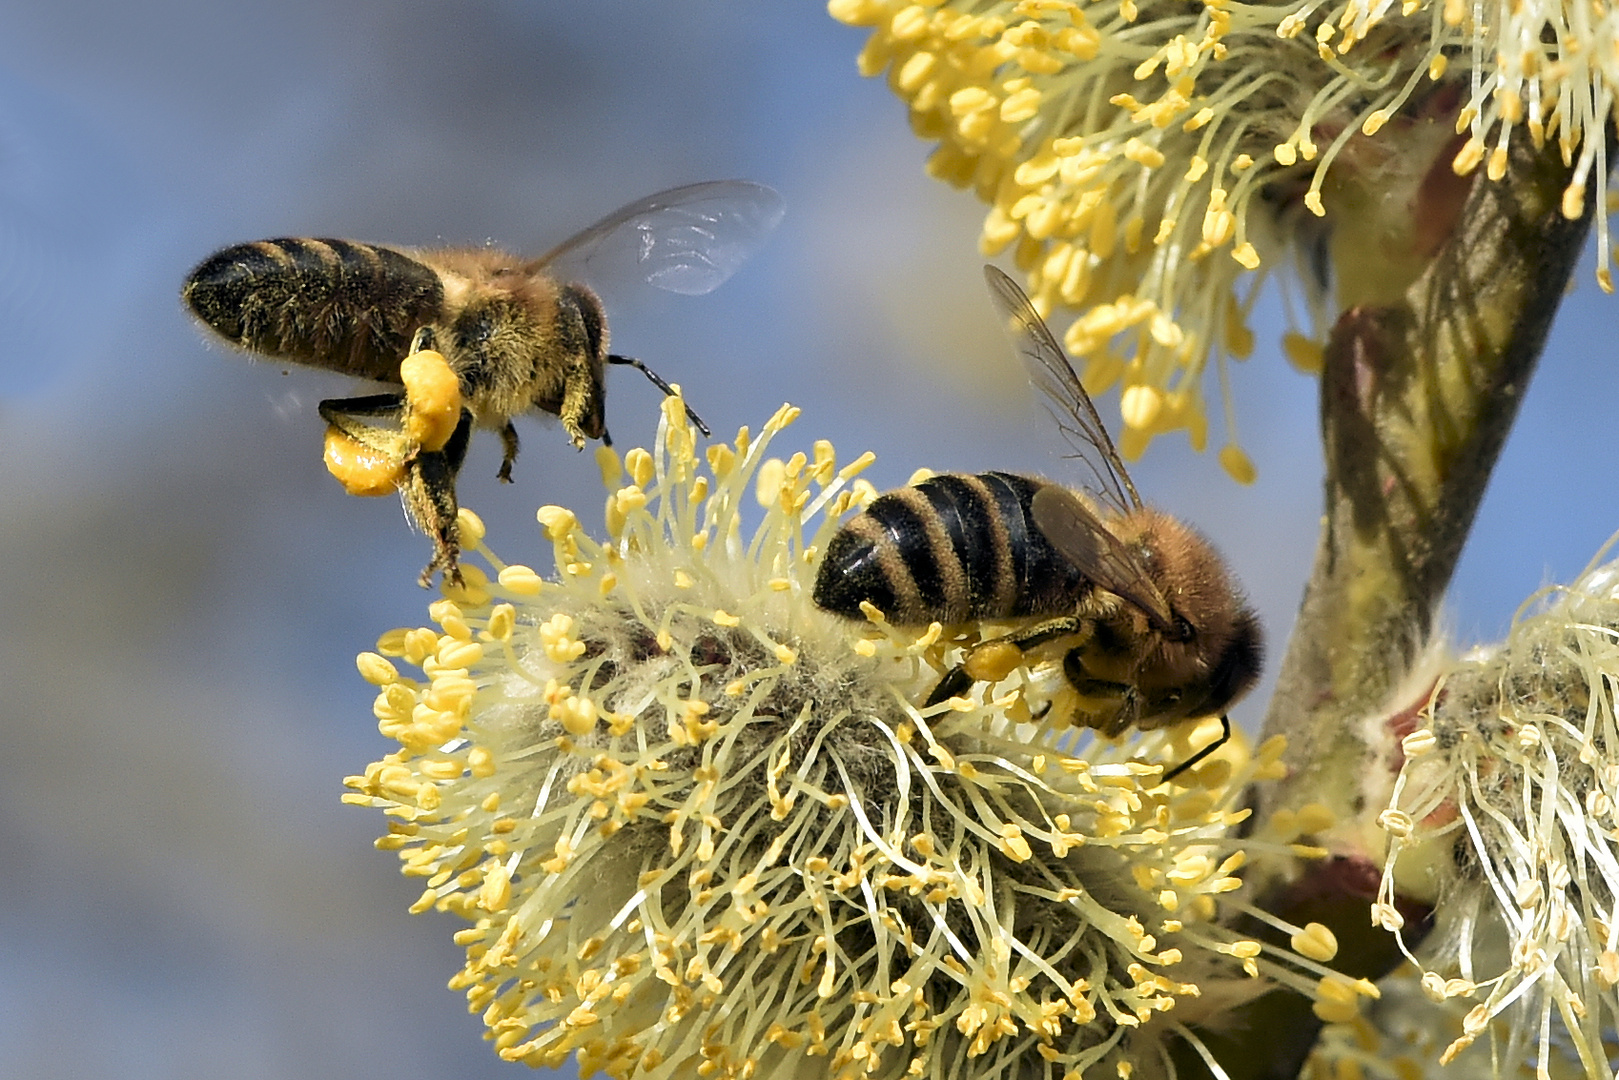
{"x": 429, "y": 496}
{"x": 657, "y": 380}
{"x": 339, "y": 412}
{"x": 1112, "y": 707}
{"x": 423, "y": 340}
{"x": 1225, "y": 734}
{"x": 508, "y": 442}
{"x": 344, "y": 415}
{"x": 583, "y": 403}
{"x": 955, "y": 683}
{"x": 993, "y": 660}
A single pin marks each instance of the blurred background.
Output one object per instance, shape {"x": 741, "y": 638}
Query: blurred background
{"x": 183, "y": 588}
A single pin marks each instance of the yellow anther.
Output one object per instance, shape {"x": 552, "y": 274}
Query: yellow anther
{"x": 1316, "y": 942}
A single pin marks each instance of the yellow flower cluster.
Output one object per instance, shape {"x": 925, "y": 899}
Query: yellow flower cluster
{"x": 1141, "y": 157}
{"x": 698, "y": 825}
{"x": 1507, "y": 809}
{"x": 1405, "y": 1033}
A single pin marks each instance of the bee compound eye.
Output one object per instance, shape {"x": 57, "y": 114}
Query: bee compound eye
{"x": 1184, "y": 631}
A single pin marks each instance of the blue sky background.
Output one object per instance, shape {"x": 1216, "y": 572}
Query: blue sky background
{"x": 183, "y": 588}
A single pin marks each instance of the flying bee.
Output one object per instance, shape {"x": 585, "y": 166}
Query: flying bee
{"x": 517, "y": 334}
{"x": 1154, "y": 627}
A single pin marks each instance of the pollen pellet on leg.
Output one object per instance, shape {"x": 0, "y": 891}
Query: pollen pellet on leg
{"x": 432, "y": 399}
{"x": 993, "y": 661}
{"x": 364, "y": 471}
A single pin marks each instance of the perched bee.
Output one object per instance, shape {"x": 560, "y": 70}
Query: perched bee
{"x": 1155, "y": 629}
{"x": 517, "y": 334}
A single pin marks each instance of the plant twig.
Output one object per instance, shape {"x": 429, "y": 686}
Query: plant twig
{"x": 1416, "y": 402}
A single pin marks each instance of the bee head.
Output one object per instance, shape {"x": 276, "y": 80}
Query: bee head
{"x": 1212, "y": 651}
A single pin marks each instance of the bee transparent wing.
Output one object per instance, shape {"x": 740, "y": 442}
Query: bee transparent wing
{"x": 1081, "y": 538}
{"x": 686, "y": 240}
{"x": 1065, "y": 397}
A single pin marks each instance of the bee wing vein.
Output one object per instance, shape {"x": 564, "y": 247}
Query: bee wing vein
{"x": 1053, "y": 375}
{"x": 687, "y": 240}
{"x": 1079, "y": 536}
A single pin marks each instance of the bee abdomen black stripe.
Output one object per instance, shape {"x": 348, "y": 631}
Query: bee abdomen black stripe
{"x": 966, "y": 510}
{"x": 947, "y": 545}
{"x": 1046, "y": 583}
{"x": 858, "y": 566}
{"x": 1012, "y": 494}
{"x": 919, "y": 539}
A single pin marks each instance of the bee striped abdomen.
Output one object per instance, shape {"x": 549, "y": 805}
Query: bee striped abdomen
{"x": 951, "y": 548}
{"x": 338, "y": 304}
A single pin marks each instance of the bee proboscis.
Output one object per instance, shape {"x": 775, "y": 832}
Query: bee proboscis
{"x": 517, "y": 334}
{"x": 1154, "y": 627}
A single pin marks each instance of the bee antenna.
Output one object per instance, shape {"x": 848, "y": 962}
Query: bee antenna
{"x": 1225, "y": 733}
{"x": 657, "y": 380}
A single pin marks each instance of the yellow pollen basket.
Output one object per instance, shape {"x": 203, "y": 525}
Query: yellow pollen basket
{"x": 364, "y": 471}
{"x": 433, "y": 399}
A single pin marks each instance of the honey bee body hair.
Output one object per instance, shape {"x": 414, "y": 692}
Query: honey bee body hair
{"x": 517, "y": 335}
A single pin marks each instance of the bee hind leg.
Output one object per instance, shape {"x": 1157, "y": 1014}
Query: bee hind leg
{"x": 341, "y": 412}
{"x": 955, "y": 683}
{"x": 428, "y": 493}
{"x": 994, "y": 660}
{"x": 508, "y": 443}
